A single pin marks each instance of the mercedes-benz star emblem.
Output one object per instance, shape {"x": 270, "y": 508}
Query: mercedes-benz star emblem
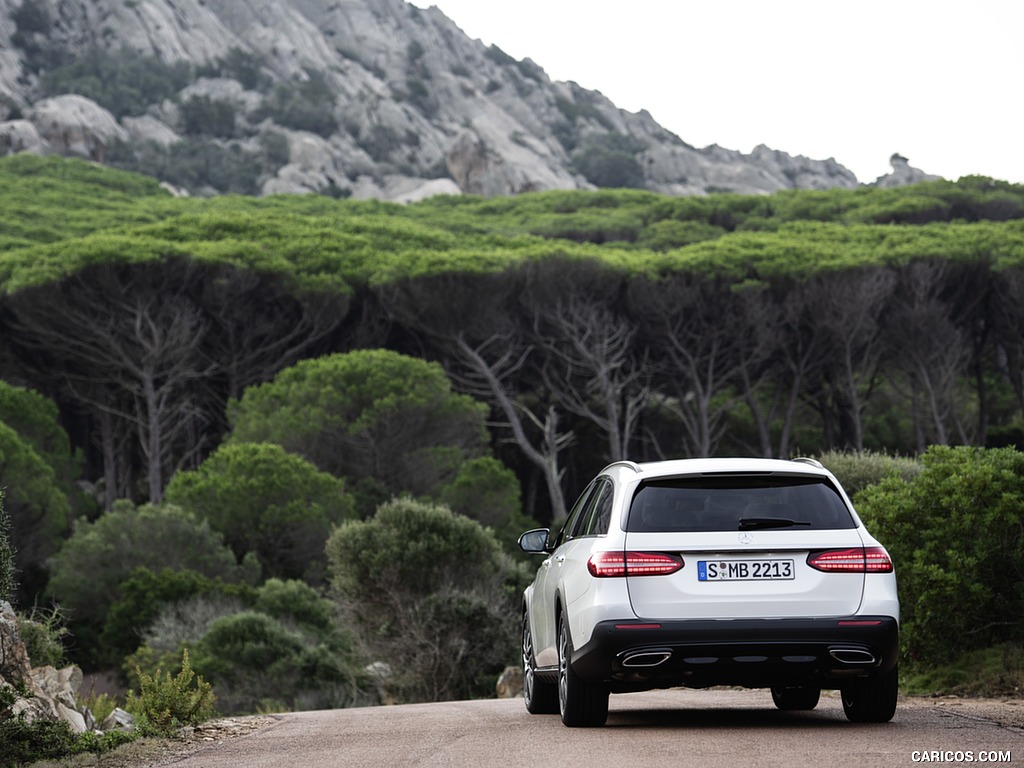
{"x": 745, "y": 538}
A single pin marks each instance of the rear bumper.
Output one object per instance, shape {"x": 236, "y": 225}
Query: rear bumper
{"x": 638, "y": 655}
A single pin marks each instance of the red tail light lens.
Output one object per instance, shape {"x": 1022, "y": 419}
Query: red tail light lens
{"x": 855, "y": 560}
{"x": 612, "y": 564}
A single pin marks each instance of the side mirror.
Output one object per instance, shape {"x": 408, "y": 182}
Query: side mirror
{"x": 535, "y": 542}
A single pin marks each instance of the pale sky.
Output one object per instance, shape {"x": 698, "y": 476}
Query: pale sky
{"x": 939, "y": 82}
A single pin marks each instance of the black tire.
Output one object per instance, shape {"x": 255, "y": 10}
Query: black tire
{"x": 541, "y": 697}
{"x": 873, "y": 699}
{"x": 582, "y": 704}
{"x": 796, "y": 697}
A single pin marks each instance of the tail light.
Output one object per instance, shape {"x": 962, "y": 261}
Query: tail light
{"x": 855, "y": 560}
{"x": 612, "y": 564}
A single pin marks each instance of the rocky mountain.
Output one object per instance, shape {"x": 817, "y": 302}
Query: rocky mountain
{"x": 363, "y": 98}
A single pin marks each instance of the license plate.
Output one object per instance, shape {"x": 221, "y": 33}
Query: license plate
{"x": 744, "y": 570}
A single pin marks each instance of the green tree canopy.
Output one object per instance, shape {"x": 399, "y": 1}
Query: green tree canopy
{"x": 37, "y": 506}
{"x": 35, "y": 418}
{"x": 265, "y": 500}
{"x": 366, "y": 414}
{"x": 487, "y": 491}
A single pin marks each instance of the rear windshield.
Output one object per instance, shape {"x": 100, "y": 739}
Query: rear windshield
{"x": 736, "y": 503}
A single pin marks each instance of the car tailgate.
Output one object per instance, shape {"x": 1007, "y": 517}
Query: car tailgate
{"x": 744, "y": 575}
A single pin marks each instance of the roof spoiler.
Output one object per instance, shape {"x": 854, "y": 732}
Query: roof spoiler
{"x": 812, "y": 462}
{"x": 623, "y": 463}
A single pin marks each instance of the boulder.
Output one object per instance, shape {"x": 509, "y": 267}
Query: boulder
{"x": 903, "y": 174}
{"x": 15, "y": 666}
{"x": 510, "y": 683}
{"x": 402, "y": 189}
{"x": 118, "y": 720}
{"x": 148, "y": 128}
{"x": 20, "y": 136}
{"x": 52, "y": 692}
{"x": 75, "y": 125}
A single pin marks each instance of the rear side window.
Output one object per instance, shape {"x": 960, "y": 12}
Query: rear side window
{"x": 732, "y": 503}
{"x": 600, "y": 514}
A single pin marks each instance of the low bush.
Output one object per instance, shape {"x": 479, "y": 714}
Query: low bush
{"x": 164, "y": 703}
{"x": 279, "y": 648}
{"x": 433, "y": 594}
{"x": 25, "y": 742}
{"x": 44, "y": 633}
{"x": 995, "y": 671}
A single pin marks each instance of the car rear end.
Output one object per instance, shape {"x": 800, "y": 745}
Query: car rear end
{"x": 744, "y": 572}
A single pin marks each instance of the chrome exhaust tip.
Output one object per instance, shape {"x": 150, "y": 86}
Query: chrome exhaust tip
{"x": 853, "y": 656}
{"x": 646, "y": 659}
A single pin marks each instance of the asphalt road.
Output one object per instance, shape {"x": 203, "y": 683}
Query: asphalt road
{"x": 704, "y": 729}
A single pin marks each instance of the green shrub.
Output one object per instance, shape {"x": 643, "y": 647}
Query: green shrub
{"x": 114, "y": 546}
{"x": 177, "y": 626}
{"x": 261, "y": 663}
{"x": 123, "y": 81}
{"x": 243, "y": 66}
{"x": 609, "y": 160}
{"x": 955, "y": 534}
{"x": 858, "y": 470}
{"x": 24, "y": 742}
{"x": 44, "y": 633}
{"x": 279, "y": 648}
{"x": 164, "y": 703}
{"x": 100, "y": 742}
{"x": 101, "y": 705}
{"x": 295, "y": 601}
{"x": 145, "y": 595}
{"x": 203, "y": 116}
{"x": 196, "y": 164}
{"x": 305, "y": 106}
{"x": 423, "y": 588}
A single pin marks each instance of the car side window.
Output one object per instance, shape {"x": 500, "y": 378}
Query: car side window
{"x": 576, "y": 515}
{"x": 600, "y": 513}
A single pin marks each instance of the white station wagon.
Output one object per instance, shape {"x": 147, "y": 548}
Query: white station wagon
{"x": 703, "y": 572}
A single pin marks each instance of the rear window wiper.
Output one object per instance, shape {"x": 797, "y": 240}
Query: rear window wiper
{"x": 752, "y": 523}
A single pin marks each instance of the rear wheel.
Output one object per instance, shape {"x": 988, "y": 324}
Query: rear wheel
{"x": 541, "y": 697}
{"x": 873, "y": 699}
{"x": 581, "y": 703}
{"x": 796, "y": 697}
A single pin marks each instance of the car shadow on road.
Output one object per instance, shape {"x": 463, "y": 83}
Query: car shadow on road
{"x": 738, "y": 718}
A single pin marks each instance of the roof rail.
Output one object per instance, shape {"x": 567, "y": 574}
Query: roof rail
{"x": 808, "y": 460}
{"x": 623, "y": 463}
